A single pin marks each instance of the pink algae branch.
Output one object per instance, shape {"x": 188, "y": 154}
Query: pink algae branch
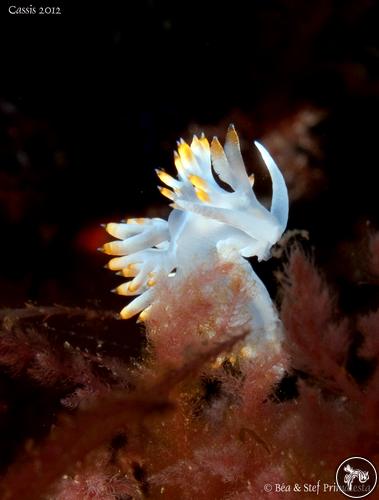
{"x": 316, "y": 338}
{"x": 74, "y": 437}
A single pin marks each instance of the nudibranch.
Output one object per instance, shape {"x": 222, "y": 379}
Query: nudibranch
{"x": 207, "y": 222}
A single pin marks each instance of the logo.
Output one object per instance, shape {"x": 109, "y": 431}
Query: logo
{"x": 356, "y": 477}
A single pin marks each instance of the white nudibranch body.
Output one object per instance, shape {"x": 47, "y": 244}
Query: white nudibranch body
{"x": 207, "y": 222}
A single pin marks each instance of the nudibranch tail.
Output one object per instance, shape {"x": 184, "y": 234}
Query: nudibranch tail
{"x": 207, "y": 221}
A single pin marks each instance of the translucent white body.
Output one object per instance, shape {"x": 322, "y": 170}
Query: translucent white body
{"x": 207, "y": 223}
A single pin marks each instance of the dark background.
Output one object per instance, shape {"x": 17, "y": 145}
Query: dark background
{"x": 93, "y": 100}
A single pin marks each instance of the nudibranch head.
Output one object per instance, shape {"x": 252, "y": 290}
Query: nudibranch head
{"x": 206, "y": 218}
